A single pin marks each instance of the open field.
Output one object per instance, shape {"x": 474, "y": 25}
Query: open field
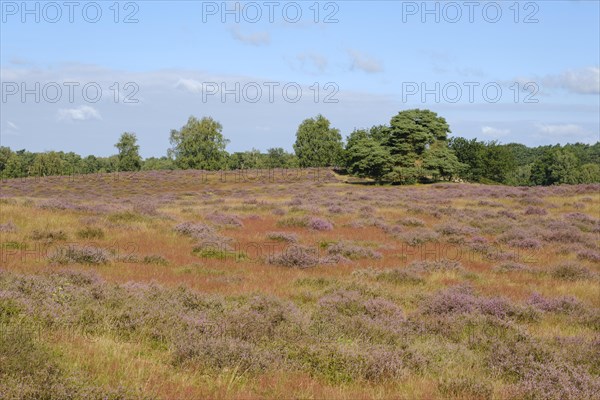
{"x": 274, "y": 284}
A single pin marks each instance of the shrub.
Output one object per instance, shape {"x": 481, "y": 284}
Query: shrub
{"x": 293, "y": 222}
{"x": 418, "y": 236}
{"x": 295, "y": 256}
{"x": 570, "y": 272}
{"x": 225, "y": 220}
{"x": 411, "y": 221}
{"x": 351, "y": 251}
{"x": 195, "y": 230}
{"x": 81, "y": 255}
{"x": 319, "y": 224}
{"x": 49, "y": 236}
{"x": 8, "y": 227}
{"x": 287, "y": 237}
{"x": 155, "y": 259}
{"x": 90, "y": 233}
{"x": 531, "y": 210}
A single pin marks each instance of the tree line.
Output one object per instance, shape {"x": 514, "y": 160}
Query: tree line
{"x": 414, "y": 147}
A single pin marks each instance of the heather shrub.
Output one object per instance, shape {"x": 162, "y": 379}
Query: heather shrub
{"x": 8, "y": 227}
{"x": 461, "y": 300}
{"x": 411, "y": 221}
{"x": 565, "y": 304}
{"x": 570, "y": 272}
{"x": 225, "y": 220}
{"x": 512, "y": 266}
{"x": 351, "y": 251}
{"x": 558, "y": 381}
{"x": 531, "y": 210}
{"x": 319, "y": 224}
{"x": 195, "y": 230}
{"x": 286, "y": 237}
{"x": 418, "y": 236}
{"x": 90, "y": 232}
{"x": 296, "y": 256}
{"x": 589, "y": 255}
{"x": 80, "y": 255}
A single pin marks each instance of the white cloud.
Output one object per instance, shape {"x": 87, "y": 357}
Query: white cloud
{"x": 254, "y": 39}
{"x": 364, "y": 62}
{"x": 494, "y": 132}
{"x": 578, "y": 81}
{"x": 561, "y": 129}
{"x": 12, "y": 125}
{"x": 191, "y": 85}
{"x": 582, "y": 81}
{"x": 81, "y": 113}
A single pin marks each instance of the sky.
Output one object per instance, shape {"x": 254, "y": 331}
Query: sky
{"x": 76, "y": 75}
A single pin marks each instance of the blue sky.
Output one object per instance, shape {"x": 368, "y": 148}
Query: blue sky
{"x": 538, "y": 62}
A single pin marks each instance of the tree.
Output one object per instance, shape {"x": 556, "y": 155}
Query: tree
{"x": 441, "y": 162}
{"x": 199, "y": 144}
{"x": 252, "y": 159}
{"x": 555, "y": 166}
{"x": 46, "y": 164}
{"x": 317, "y": 145}
{"x": 156, "y": 164}
{"x": 589, "y": 173}
{"x": 412, "y": 132}
{"x": 5, "y": 154}
{"x": 277, "y": 157}
{"x": 366, "y": 157}
{"x": 471, "y": 154}
{"x": 129, "y": 157}
{"x": 499, "y": 162}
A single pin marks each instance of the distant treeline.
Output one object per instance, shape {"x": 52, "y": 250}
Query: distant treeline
{"x": 414, "y": 147}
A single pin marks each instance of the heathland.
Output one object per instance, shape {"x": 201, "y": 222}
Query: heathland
{"x": 295, "y": 284}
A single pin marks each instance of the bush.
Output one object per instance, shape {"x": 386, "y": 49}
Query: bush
{"x": 319, "y": 224}
{"x": 90, "y": 233}
{"x": 286, "y": 237}
{"x": 296, "y": 257}
{"x": 81, "y": 255}
{"x": 570, "y": 272}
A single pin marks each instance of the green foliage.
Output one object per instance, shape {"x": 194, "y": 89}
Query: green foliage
{"x": 129, "y": 157}
{"x": 412, "y": 132}
{"x": 367, "y": 158}
{"x": 157, "y": 164}
{"x": 317, "y": 145}
{"x": 199, "y": 144}
{"x": 555, "y": 166}
{"x": 279, "y": 158}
